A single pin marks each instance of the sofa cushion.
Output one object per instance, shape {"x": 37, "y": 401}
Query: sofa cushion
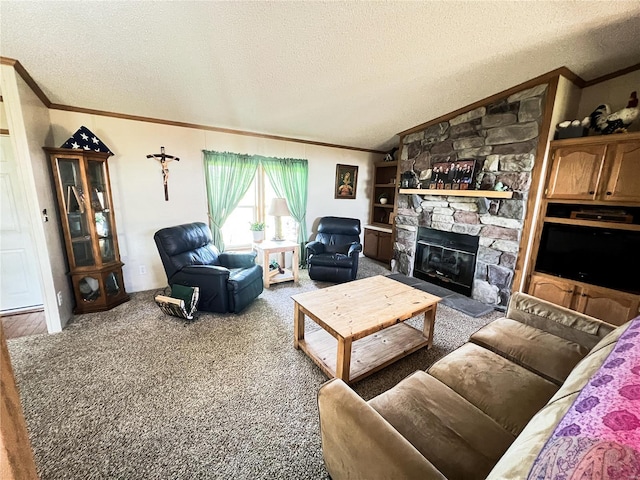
{"x": 519, "y": 458}
{"x": 505, "y": 391}
{"x": 437, "y": 422}
{"x": 547, "y": 355}
{"x": 332, "y": 260}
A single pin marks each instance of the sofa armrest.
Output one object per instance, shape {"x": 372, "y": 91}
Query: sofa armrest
{"x": 314, "y": 248}
{"x": 358, "y": 443}
{"x": 238, "y": 259}
{"x": 557, "y": 320}
{"x": 205, "y": 270}
{"x": 355, "y": 249}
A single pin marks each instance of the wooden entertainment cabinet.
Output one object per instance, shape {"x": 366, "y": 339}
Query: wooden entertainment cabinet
{"x": 593, "y": 182}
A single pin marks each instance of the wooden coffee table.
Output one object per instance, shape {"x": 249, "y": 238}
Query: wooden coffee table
{"x": 362, "y": 325}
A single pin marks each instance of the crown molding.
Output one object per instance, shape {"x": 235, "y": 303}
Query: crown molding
{"x": 544, "y": 78}
{"x": 617, "y": 73}
{"x": 56, "y": 106}
{"x": 27, "y": 78}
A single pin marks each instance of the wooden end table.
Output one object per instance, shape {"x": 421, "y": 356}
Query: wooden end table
{"x": 268, "y": 247}
{"x": 362, "y": 325}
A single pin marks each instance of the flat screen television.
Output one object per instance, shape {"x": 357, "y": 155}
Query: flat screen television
{"x": 598, "y": 256}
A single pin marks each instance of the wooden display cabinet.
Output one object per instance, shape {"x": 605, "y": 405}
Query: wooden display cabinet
{"x": 86, "y": 211}
{"x": 593, "y": 184}
{"x": 604, "y": 168}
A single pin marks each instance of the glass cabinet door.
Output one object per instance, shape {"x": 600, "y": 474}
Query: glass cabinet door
{"x": 76, "y": 211}
{"x": 101, "y": 204}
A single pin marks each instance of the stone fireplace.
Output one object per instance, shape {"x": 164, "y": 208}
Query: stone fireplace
{"x": 502, "y": 139}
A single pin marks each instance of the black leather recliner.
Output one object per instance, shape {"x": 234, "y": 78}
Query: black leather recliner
{"x": 228, "y": 281}
{"x": 333, "y": 255}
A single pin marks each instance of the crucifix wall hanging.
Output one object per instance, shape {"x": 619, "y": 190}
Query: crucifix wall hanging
{"x": 163, "y": 158}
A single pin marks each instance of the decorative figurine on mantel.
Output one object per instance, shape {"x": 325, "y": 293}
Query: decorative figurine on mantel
{"x": 164, "y": 158}
{"x": 603, "y": 121}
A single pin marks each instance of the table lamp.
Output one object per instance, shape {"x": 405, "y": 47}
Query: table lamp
{"x": 277, "y": 209}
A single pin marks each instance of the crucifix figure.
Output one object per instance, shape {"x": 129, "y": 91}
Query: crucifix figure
{"x": 163, "y": 158}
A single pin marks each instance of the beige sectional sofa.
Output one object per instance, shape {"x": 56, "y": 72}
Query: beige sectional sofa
{"x": 483, "y": 411}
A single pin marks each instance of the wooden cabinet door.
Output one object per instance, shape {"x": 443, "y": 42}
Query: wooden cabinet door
{"x": 607, "y": 305}
{"x": 623, "y": 184}
{"x": 370, "y": 248}
{"x": 554, "y": 290}
{"x": 575, "y": 172}
{"x": 385, "y": 246}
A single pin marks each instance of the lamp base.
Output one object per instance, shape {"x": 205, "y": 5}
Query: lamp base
{"x": 278, "y": 237}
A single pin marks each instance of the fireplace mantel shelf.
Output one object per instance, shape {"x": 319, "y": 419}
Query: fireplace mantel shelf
{"x": 457, "y": 193}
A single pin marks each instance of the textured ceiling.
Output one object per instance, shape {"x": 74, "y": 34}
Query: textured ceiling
{"x": 346, "y": 73}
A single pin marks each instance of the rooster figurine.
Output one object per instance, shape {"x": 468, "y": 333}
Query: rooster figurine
{"x": 603, "y": 121}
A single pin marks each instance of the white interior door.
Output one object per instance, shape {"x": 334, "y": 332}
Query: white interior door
{"x": 19, "y": 282}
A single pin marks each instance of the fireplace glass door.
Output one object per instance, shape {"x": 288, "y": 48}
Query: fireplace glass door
{"x": 446, "y": 259}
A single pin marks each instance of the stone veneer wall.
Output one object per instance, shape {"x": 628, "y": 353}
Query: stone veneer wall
{"x": 502, "y": 138}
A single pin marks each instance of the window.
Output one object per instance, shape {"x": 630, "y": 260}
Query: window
{"x": 253, "y": 208}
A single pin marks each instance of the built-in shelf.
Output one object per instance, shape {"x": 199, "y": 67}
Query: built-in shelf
{"x": 380, "y": 227}
{"x": 593, "y": 223}
{"x": 457, "y": 193}
{"x": 386, "y": 205}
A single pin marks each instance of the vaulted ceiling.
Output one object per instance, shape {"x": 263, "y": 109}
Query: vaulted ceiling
{"x": 349, "y": 73}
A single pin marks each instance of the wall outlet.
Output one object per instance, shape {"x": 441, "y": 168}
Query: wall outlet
{"x": 59, "y": 295}
{"x": 143, "y": 269}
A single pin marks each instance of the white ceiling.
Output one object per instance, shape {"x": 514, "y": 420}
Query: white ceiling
{"x": 348, "y": 73}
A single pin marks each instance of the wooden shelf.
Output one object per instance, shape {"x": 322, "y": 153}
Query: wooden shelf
{"x": 380, "y": 227}
{"x": 593, "y": 223}
{"x": 386, "y": 205}
{"x": 369, "y": 354}
{"x": 457, "y": 193}
{"x": 277, "y": 277}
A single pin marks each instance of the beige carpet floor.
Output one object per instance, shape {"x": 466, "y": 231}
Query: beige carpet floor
{"x": 134, "y": 394}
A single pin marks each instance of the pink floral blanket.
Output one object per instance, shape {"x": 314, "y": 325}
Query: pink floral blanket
{"x": 599, "y": 437}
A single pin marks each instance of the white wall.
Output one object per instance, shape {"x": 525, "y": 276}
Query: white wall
{"x": 136, "y": 181}
{"x": 614, "y": 92}
{"x": 29, "y": 125}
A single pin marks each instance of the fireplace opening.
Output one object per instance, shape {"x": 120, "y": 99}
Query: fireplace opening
{"x": 447, "y": 259}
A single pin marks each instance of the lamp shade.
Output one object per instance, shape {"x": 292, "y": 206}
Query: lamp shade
{"x": 278, "y": 208}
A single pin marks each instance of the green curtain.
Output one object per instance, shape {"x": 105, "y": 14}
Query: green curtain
{"x": 228, "y": 177}
{"x": 289, "y": 178}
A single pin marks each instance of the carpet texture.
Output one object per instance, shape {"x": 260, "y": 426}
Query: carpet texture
{"x": 132, "y": 393}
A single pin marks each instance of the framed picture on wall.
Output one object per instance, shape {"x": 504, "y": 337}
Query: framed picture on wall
{"x": 453, "y": 175}
{"x": 346, "y": 178}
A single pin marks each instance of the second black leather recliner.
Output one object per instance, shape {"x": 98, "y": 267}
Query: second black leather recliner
{"x": 333, "y": 255}
{"x": 228, "y": 281}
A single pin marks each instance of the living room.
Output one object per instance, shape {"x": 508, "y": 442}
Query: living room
{"x": 137, "y": 181}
